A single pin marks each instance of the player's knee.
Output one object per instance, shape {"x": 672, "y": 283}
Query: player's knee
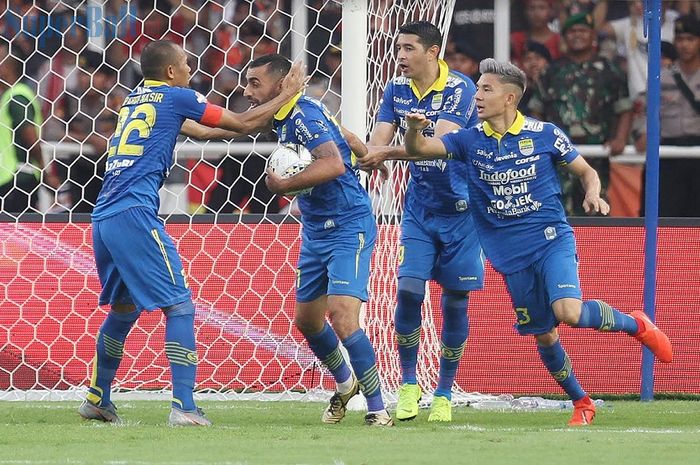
{"x": 306, "y": 324}
{"x": 123, "y": 308}
{"x": 181, "y": 309}
{"x": 410, "y": 291}
{"x": 567, "y": 310}
{"x": 345, "y": 318}
{"x": 547, "y": 339}
{"x": 125, "y": 312}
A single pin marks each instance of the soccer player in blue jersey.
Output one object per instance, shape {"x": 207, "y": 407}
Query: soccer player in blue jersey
{"x": 137, "y": 262}
{"x": 438, "y": 239}
{"x": 338, "y": 235}
{"x": 511, "y": 162}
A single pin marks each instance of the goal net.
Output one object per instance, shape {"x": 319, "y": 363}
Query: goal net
{"x": 238, "y": 242}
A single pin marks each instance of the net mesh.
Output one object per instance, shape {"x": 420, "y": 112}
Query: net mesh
{"x": 80, "y": 58}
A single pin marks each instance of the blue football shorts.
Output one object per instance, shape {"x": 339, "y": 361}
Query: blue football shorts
{"x": 336, "y": 261}
{"x": 535, "y": 288}
{"x": 137, "y": 261}
{"x": 441, "y": 247}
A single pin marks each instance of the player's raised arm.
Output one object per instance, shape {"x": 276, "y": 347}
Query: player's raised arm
{"x": 419, "y": 147}
{"x": 327, "y": 165}
{"x": 259, "y": 116}
{"x": 198, "y": 131}
{"x": 356, "y": 145}
{"x": 592, "y": 203}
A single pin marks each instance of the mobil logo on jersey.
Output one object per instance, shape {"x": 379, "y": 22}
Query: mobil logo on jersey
{"x": 512, "y": 189}
{"x": 509, "y": 176}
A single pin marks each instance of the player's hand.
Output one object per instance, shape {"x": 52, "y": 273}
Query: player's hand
{"x": 296, "y": 79}
{"x": 373, "y": 159}
{"x": 275, "y": 183}
{"x": 616, "y": 146}
{"x": 417, "y": 121}
{"x": 384, "y": 172}
{"x": 594, "y": 205}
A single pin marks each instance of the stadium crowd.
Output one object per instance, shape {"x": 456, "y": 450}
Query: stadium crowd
{"x": 585, "y": 62}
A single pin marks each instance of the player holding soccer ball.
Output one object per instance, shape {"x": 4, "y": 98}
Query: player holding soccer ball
{"x": 511, "y": 162}
{"x": 137, "y": 262}
{"x": 438, "y": 239}
{"x": 338, "y": 237}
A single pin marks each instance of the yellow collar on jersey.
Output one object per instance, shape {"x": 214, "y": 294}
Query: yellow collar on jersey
{"x": 514, "y": 128}
{"x": 287, "y": 108}
{"x": 154, "y": 83}
{"x": 438, "y": 85}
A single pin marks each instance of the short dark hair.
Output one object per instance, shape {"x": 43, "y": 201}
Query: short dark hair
{"x": 428, "y": 34}
{"x": 155, "y": 57}
{"x": 279, "y": 65}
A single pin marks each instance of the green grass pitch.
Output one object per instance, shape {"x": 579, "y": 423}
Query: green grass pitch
{"x": 625, "y": 432}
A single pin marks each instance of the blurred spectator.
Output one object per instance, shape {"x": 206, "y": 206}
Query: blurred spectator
{"x": 21, "y": 161}
{"x": 669, "y": 55}
{"x": 631, "y": 42}
{"x": 679, "y": 188}
{"x": 60, "y": 72}
{"x": 687, "y": 7}
{"x": 326, "y": 85}
{"x": 464, "y": 59}
{"x": 586, "y": 96}
{"x": 539, "y": 13}
{"x": 568, "y": 8}
{"x": 534, "y": 62}
{"x": 324, "y": 19}
{"x": 472, "y": 23}
{"x": 92, "y": 122}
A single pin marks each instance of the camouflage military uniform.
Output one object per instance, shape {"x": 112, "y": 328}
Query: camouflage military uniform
{"x": 585, "y": 100}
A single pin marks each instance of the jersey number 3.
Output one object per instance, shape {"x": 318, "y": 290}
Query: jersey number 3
{"x": 141, "y": 120}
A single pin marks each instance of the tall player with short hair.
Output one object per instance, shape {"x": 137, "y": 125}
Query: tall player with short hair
{"x": 338, "y": 235}
{"x": 137, "y": 262}
{"x": 511, "y": 162}
{"x": 438, "y": 239}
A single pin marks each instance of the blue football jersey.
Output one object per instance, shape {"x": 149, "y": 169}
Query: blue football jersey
{"x": 514, "y": 187}
{"x": 436, "y": 185}
{"x": 141, "y": 150}
{"x": 307, "y": 122}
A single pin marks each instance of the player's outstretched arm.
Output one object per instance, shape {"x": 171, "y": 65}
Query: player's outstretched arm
{"x": 419, "y": 147}
{"x": 250, "y": 121}
{"x": 378, "y": 148}
{"x": 198, "y": 131}
{"x": 592, "y": 203}
{"x": 327, "y": 165}
{"x": 356, "y": 145}
{"x": 361, "y": 152}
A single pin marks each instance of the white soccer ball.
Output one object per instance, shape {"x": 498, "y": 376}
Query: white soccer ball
{"x": 288, "y": 160}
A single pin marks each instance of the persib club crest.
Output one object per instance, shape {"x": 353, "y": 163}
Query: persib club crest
{"x": 526, "y": 146}
{"x": 436, "y": 102}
